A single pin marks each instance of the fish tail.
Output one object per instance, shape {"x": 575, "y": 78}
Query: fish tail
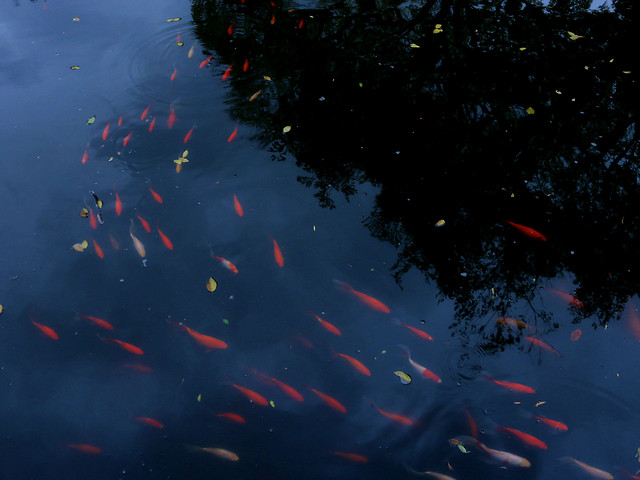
{"x": 405, "y": 351}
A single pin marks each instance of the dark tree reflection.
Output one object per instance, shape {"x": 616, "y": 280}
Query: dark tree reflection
{"x": 468, "y": 111}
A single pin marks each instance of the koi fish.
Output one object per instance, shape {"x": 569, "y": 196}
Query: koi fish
{"x": 152, "y": 125}
{"x": 191, "y": 51}
{"x": 528, "y": 231}
{"x": 85, "y": 156}
{"x": 149, "y": 421}
{"x": 364, "y": 298}
{"x": 233, "y": 134}
{"x": 145, "y": 113}
{"x": 588, "y": 469}
{"x": 277, "y": 254}
{"x": 437, "y": 476}
{"x": 227, "y": 264}
{"x": 288, "y": 390}
{"x": 301, "y": 23}
{"x": 114, "y": 242}
{"x": 576, "y": 334}
{"x": 237, "y": 206}
{"x": 124, "y": 345}
{"x": 511, "y": 386}
{"x": 165, "y": 240}
{"x": 245, "y": 66}
{"x": 251, "y": 395}
{"x": 394, "y": 416}
{"x": 512, "y": 322}
{"x": 126, "y": 139}
{"x": 206, "y": 61}
{"x": 329, "y": 327}
{"x": 85, "y": 448}
{"x": 554, "y": 424}
{"x": 187, "y": 137}
{"x": 48, "y": 331}
{"x": 97, "y": 248}
{"x": 425, "y": 372}
{"x": 234, "y": 417}
{"x": 118, "y": 204}
{"x": 136, "y": 243}
{"x": 416, "y": 331}
{"x": 105, "y": 132}
{"x": 93, "y": 221}
{"x": 174, "y": 74}
{"x": 356, "y": 364}
{"x": 567, "y": 298}
{"x": 227, "y": 73}
{"x": 230, "y": 29}
{"x": 210, "y": 343}
{"x": 493, "y": 456}
{"x": 352, "y": 457}
{"x": 97, "y": 321}
{"x": 543, "y": 345}
{"x": 155, "y": 195}
{"x": 330, "y": 401}
{"x": 473, "y": 427}
{"x": 120, "y": 121}
{"x": 220, "y": 452}
{"x": 525, "y": 438}
{"x": 273, "y": 19}
{"x": 172, "y": 118}
{"x": 144, "y": 223}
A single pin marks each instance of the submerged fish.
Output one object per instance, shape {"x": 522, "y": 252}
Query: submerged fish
{"x": 492, "y": 456}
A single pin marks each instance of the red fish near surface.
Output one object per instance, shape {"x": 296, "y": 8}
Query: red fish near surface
{"x": 210, "y": 343}
{"x": 416, "y": 331}
{"x": 556, "y": 425}
{"x": 144, "y": 223}
{"x": 352, "y": 457}
{"x": 85, "y": 448}
{"x": 155, "y": 195}
{"x": 356, "y": 364}
{"x": 48, "y": 331}
{"x": 237, "y": 206}
{"x": 165, "y": 240}
{"x": 118, "y": 204}
{"x": 425, "y": 372}
{"x": 525, "y": 438}
{"x": 149, "y": 421}
{"x": 99, "y": 251}
{"x": 187, "y": 137}
{"x": 145, "y": 113}
{"x": 227, "y": 264}
{"x": 85, "y": 156}
{"x": 251, "y": 395}
{"x": 329, "y": 327}
{"x": 227, "y": 73}
{"x": 105, "y": 132}
{"x": 543, "y": 345}
{"x": 233, "y": 135}
{"x": 364, "y": 298}
{"x": 172, "y": 118}
{"x": 124, "y": 345}
{"x": 152, "y": 125}
{"x": 401, "y": 419}
{"x": 206, "y": 61}
{"x": 330, "y": 401}
{"x": 97, "y": 321}
{"x": 568, "y": 298}
{"x": 277, "y": 254}
{"x": 527, "y": 231}
{"x": 126, "y": 139}
{"x": 174, "y": 74}
{"x": 287, "y": 389}
{"x": 234, "y": 417}
{"x": 511, "y": 386}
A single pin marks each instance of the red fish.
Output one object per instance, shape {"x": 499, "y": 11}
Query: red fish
{"x": 118, "y": 204}
{"x": 633, "y": 321}
{"x": 234, "y": 417}
{"x": 165, "y": 240}
{"x": 138, "y": 367}
{"x": 356, "y": 364}
{"x": 152, "y": 125}
{"x": 120, "y": 121}
{"x": 48, "y": 331}
{"x": 330, "y": 401}
{"x": 145, "y": 113}
{"x": 144, "y": 223}
{"x": 401, "y": 419}
{"x": 85, "y": 448}
{"x": 233, "y": 135}
{"x": 172, "y": 118}
{"x": 511, "y": 386}
{"x": 567, "y": 298}
{"x": 98, "y": 321}
{"x": 99, "y": 251}
{"x": 227, "y": 264}
{"x": 187, "y": 137}
{"x": 149, "y": 421}
{"x": 416, "y": 331}
{"x": 329, "y": 327}
{"x": 237, "y": 206}
{"x": 364, "y": 298}
{"x": 155, "y": 195}
{"x": 288, "y": 390}
{"x": 210, "y": 343}
{"x": 126, "y": 139}
{"x": 499, "y": 457}
{"x": 124, "y": 345}
{"x": 273, "y": 19}
{"x": 230, "y": 29}
{"x": 543, "y": 345}
{"x": 425, "y": 372}
{"x": 301, "y": 23}
{"x": 352, "y": 457}
{"x": 245, "y": 66}
{"x": 227, "y": 73}
{"x": 512, "y": 322}
{"x": 93, "y": 221}
{"x": 251, "y": 395}
{"x": 206, "y": 61}
{"x": 556, "y": 425}
{"x": 277, "y": 253}
{"x": 174, "y": 74}
{"x": 528, "y": 231}
{"x": 473, "y": 427}
{"x": 525, "y": 438}
{"x": 576, "y": 334}
{"x": 105, "y": 132}
{"x": 85, "y": 156}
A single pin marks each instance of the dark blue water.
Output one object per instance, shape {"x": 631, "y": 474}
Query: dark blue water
{"x": 85, "y": 390}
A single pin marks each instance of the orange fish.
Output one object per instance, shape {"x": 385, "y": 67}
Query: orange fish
{"x": 425, "y": 372}
{"x": 227, "y": 73}
{"x": 245, "y": 67}
{"x": 288, "y": 390}
{"x": 98, "y": 321}
{"x": 138, "y": 367}
{"x": 273, "y": 19}
{"x": 126, "y": 139}
{"x": 120, "y": 121}
{"x": 174, "y": 74}
{"x": 136, "y": 242}
{"x": 330, "y": 401}
{"x": 93, "y": 221}
{"x": 118, "y": 204}
{"x": 230, "y": 29}
{"x": 251, "y": 395}
{"x": 152, "y": 125}
{"x": 124, "y": 345}
{"x": 301, "y": 23}
{"x": 99, "y": 251}
{"x": 155, "y": 195}
{"x": 206, "y": 61}
{"x": 543, "y": 345}
{"x": 329, "y": 327}
{"x": 356, "y": 364}
{"x": 85, "y": 156}
{"x": 145, "y": 113}
{"x": 593, "y": 472}
{"x": 528, "y": 231}
{"x": 105, "y": 132}
{"x": 187, "y": 137}
{"x": 277, "y": 253}
{"x": 525, "y": 438}
{"x": 556, "y": 425}
{"x": 352, "y": 457}
{"x": 85, "y": 448}
{"x": 567, "y": 298}
{"x": 144, "y": 223}
{"x": 172, "y": 118}
{"x": 394, "y": 416}
{"x": 227, "y": 264}
{"x": 473, "y": 427}
{"x": 210, "y": 343}
{"x": 149, "y": 421}
{"x": 511, "y": 386}
{"x": 364, "y": 298}
{"x": 512, "y": 322}
{"x": 234, "y": 417}
{"x": 48, "y": 331}
{"x": 576, "y": 334}
{"x": 416, "y": 331}
{"x": 237, "y": 206}
{"x": 233, "y": 135}
{"x": 165, "y": 240}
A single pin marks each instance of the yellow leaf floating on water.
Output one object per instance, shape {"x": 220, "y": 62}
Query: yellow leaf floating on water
{"x": 91, "y": 120}
{"x": 180, "y": 44}
{"x": 440, "y": 223}
{"x": 80, "y": 247}
{"x": 185, "y": 153}
{"x": 1, "y": 309}
{"x": 462, "y": 449}
{"x": 272, "y": 403}
{"x": 286, "y": 129}
{"x": 76, "y": 19}
{"x": 438, "y": 28}
{"x": 573, "y": 36}
{"x": 74, "y": 67}
{"x": 522, "y": 49}
{"x": 540, "y": 403}
{"x": 199, "y": 397}
{"x": 405, "y": 378}
{"x": 414, "y": 45}
{"x": 530, "y": 111}
{"x": 267, "y": 78}
{"x": 211, "y": 284}
{"x": 174, "y": 19}
{"x": 84, "y": 213}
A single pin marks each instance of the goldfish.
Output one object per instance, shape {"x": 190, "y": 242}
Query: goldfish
{"x": 576, "y": 334}
{"x": 416, "y": 331}
{"x": 356, "y": 364}
{"x": 543, "y": 345}
{"x": 120, "y": 121}
{"x": 155, "y": 195}
{"x": 220, "y": 452}
{"x": 273, "y": 19}
{"x": 512, "y": 322}
{"x": 588, "y": 469}
{"x": 237, "y": 206}
{"x": 138, "y": 367}
{"x": 48, "y": 331}
{"x": 227, "y": 264}
{"x": 136, "y": 243}
{"x": 528, "y": 231}
{"x": 352, "y": 457}
{"x": 149, "y": 421}
{"x": 511, "y": 386}
{"x": 99, "y": 251}
{"x": 85, "y": 448}
{"x": 288, "y": 390}
{"x": 206, "y": 61}
{"x": 425, "y": 372}
{"x": 174, "y": 74}
{"x": 330, "y": 401}
{"x": 329, "y": 327}
{"x": 85, "y": 156}
{"x": 251, "y": 395}
{"x": 105, "y": 132}
{"x": 145, "y": 113}
{"x": 97, "y": 321}
{"x": 187, "y": 137}
{"x": 234, "y": 417}
{"x": 277, "y": 254}
{"x": 210, "y": 343}
{"x": 568, "y": 298}
{"x": 493, "y": 456}
{"x": 118, "y": 204}
{"x": 124, "y": 345}
{"x": 301, "y": 23}
{"x": 525, "y": 438}
{"x": 165, "y": 240}
{"x": 437, "y": 476}
{"x": 172, "y": 118}
{"x": 473, "y": 427}
{"x": 233, "y": 134}
{"x": 191, "y": 51}
{"x": 556, "y": 425}
{"x": 230, "y": 29}
{"x": 152, "y": 125}
{"x": 227, "y": 73}
{"x": 401, "y": 419}
{"x": 245, "y": 66}
{"x": 255, "y": 95}
{"x": 114, "y": 242}
{"x": 93, "y": 221}
{"x": 144, "y": 224}
{"x": 364, "y": 298}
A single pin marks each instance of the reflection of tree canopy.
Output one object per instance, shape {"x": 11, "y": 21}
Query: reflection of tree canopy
{"x": 443, "y": 130}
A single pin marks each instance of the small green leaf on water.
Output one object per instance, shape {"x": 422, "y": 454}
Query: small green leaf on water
{"x": 414, "y": 45}
{"x": 530, "y": 111}
{"x": 74, "y": 67}
{"x": 286, "y": 129}
{"x": 272, "y": 403}
{"x": 225, "y": 321}
{"x": 462, "y": 449}
{"x": 174, "y": 19}
{"x": 92, "y": 119}
{"x": 405, "y": 378}
{"x": 522, "y": 49}
{"x": 360, "y": 84}
{"x": 438, "y": 28}
{"x": 180, "y": 44}
{"x": 383, "y": 352}
{"x": 199, "y": 398}
{"x": 573, "y": 36}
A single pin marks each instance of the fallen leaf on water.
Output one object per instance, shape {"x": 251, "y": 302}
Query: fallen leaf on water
{"x": 405, "y": 379}
{"x": 185, "y": 153}
{"x": 1, "y": 309}
{"x": 92, "y": 119}
{"x": 573, "y": 36}
{"x": 80, "y": 247}
{"x": 267, "y": 78}
{"x": 74, "y": 67}
{"x": 530, "y": 111}
{"x": 84, "y": 213}
{"x": 576, "y": 334}
{"x": 414, "y": 45}
{"x": 540, "y": 403}
{"x": 462, "y": 449}
{"x": 180, "y": 44}
{"x": 522, "y": 49}
{"x": 272, "y": 403}
{"x": 438, "y": 28}
{"x": 76, "y": 19}
{"x": 199, "y": 398}
{"x": 286, "y": 129}
{"x": 225, "y": 321}
{"x": 174, "y": 19}
{"x": 211, "y": 284}
{"x": 440, "y": 223}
